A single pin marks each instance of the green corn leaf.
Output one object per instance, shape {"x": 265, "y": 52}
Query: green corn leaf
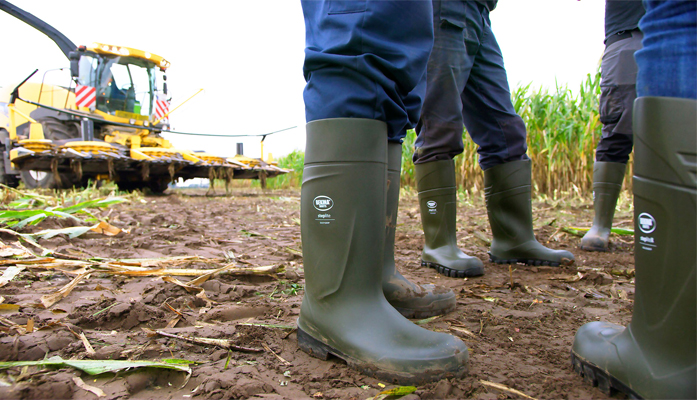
{"x": 394, "y": 393}
{"x": 96, "y": 367}
{"x": 33, "y": 220}
{"x": 21, "y": 214}
{"x": 98, "y": 203}
{"x": 618, "y": 231}
{"x": 72, "y": 232}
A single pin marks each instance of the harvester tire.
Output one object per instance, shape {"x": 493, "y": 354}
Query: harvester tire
{"x": 158, "y": 186}
{"x": 11, "y": 180}
{"x": 56, "y": 130}
{"x": 154, "y": 186}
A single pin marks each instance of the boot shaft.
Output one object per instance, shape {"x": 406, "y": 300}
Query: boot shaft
{"x": 507, "y": 191}
{"x": 665, "y": 200}
{"x": 343, "y": 206}
{"x": 394, "y": 168}
{"x": 607, "y": 184}
{"x": 435, "y": 182}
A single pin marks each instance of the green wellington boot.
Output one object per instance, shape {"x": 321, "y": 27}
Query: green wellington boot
{"x": 435, "y": 182}
{"x": 344, "y": 311}
{"x": 654, "y": 356}
{"x": 508, "y": 203}
{"x": 412, "y": 301}
{"x": 607, "y": 184}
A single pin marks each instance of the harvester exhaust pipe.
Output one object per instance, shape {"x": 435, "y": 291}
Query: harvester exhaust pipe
{"x": 87, "y": 129}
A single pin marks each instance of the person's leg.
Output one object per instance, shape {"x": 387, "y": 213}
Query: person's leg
{"x": 668, "y": 59}
{"x": 412, "y": 301}
{"x": 353, "y": 75}
{"x": 439, "y": 139}
{"x": 500, "y": 133}
{"x": 654, "y": 356}
{"x": 362, "y": 59}
{"x": 618, "y": 91}
{"x": 487, "y": 111}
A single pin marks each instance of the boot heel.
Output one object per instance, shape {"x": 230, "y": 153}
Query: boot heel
{"x": 312, "y": 346}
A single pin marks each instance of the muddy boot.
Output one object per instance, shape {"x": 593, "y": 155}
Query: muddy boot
{"x": 508, "y": 203}
{"x": 654, "y": 356}
{"x": 607, "y": 183}
{"x": 344, "y": 312}
{"x": 412, "y": 301}
{"x": 435, "y": 182}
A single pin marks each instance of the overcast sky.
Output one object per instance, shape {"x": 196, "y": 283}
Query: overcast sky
{"x": 247, "y": 56}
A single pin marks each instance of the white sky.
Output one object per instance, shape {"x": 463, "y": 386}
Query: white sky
{"x": 248, "y": 55}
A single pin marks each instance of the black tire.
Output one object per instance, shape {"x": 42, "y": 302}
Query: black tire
{"x": 154, "y": 185}
{"x": 11, "y": 180}
{"x": 158, "y": 186}
{"x": 58, "y": 131}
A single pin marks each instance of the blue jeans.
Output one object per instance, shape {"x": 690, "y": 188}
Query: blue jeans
{"x": 367, "y": 59}
{"x": 467, "y": 86}
{"x": 668, "y": 62}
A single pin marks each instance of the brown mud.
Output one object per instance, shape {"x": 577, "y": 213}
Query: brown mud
{"x": 518, "y": 322}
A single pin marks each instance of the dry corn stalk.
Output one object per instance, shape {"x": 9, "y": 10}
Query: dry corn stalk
{"x": 50, "y": 299}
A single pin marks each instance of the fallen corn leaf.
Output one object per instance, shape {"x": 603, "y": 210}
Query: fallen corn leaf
{"x": 505, "y": 389}
{"x": 106, "y": 229}
{"x": 9, "y": 274}
{"x": 82, "y": 385}
{"x": 96, "y": 367}
{"x": 50, "y": 299}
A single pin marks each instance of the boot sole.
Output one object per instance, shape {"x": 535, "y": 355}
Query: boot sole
{"x": 453, "y": 273}
{"x": 532, "y": 262}
{"x": 317, "y": 349}
{"x": 600, "y": 379}
{"x": 591, "y": 248}
{"x": 411, "y": 313}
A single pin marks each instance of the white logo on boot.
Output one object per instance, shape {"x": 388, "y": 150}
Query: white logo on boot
{"x": 323, "y": 203}
{"x": 431, "y": 204}
{"x": 647, "y": 223}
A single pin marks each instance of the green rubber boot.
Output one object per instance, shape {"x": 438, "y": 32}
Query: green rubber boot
{"x": 435, "y": 182}
{"x": 607, "y": 184}
{"x": 654, "y": 356}
{"x": 344, "y": 312}
{"x": 412, "y": 301}
{"x": 508, "y": 203}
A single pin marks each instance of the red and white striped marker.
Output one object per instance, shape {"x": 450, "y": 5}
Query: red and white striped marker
{"x": 161, "y": 109}
{"x": 86, "y": 96}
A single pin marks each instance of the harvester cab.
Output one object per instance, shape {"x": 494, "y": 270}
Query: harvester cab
{"x": 106, "y": 123}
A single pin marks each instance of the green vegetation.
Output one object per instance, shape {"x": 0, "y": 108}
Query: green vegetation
{"x": 563, "y": 132}
{"x": 294, "y": 162}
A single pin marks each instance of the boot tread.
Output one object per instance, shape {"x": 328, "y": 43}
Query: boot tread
{"x": 533, "y": 262}
{"x": 454, "y": 273}
{"x": 599, "y": 378}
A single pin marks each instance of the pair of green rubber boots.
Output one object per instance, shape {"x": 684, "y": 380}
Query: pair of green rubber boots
{"x": 655, "y": 355}
{"x": 355, "y": 301}
{"x": 507, "y": 190}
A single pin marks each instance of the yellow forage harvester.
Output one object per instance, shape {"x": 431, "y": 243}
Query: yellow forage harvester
{"x": 105, "y": 124}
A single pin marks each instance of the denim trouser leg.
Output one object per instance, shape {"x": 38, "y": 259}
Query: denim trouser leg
{"x": 366, "y": 59}
{"x": 668, "y": 61}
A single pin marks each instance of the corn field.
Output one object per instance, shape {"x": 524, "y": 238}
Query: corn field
{"x": 563, "y": 131}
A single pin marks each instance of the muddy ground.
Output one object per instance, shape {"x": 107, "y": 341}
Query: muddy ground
{"x": 518, "y": 323}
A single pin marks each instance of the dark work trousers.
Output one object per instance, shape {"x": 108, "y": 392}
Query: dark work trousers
{"x": 618, "y": 73}
{"x": 367, "y": 59}
{"x": 467, "y": 86}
